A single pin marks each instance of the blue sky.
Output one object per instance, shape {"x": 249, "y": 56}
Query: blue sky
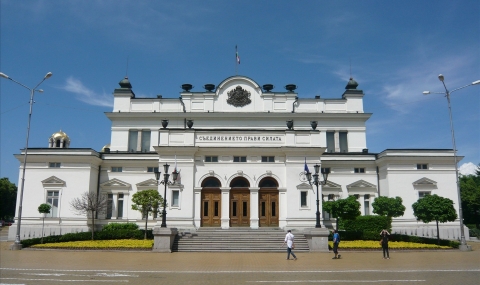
{"x": 394, "y": 49}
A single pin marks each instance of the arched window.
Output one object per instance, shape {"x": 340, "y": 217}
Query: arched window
{"x": 211, "y": 182}
{"x": 239, "y": 182}
{"x": 268, "y": 182}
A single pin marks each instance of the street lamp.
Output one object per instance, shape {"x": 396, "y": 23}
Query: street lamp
{"x": 165, "y": 182}
{"x": 17, "y": 245}
{"x": 316, "y": 182}
{"x": 463, "y": 243}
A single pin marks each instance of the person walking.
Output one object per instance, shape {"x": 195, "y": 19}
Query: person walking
{"x": 289, "y": 240}
{"x": 336, "y": 241}
{"x": 384, "y": 234}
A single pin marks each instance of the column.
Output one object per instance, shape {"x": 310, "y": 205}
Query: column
{"x": 197, "y": 207}
{"x": 114, "y": 205}
{"x": 254, "y": 219}
{"x": 225, "y": 218}
{"x": 336, "y": 137}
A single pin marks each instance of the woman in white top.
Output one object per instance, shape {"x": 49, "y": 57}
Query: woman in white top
{"x": 289, "y": 240}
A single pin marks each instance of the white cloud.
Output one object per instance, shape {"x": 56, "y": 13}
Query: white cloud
{"x": 86, "y": 95}
{"x": 468, "y": 168}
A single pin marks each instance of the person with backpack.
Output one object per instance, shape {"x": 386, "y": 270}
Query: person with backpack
{"x": 336, "y": 241}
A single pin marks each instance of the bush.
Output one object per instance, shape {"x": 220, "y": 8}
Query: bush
{"x": 120, "y": 226}
{"x": 372, "y": 223}
{"x": 102, "y": 235}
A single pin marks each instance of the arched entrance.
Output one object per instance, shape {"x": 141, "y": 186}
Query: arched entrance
{"x": 239, "y": 202}
{"x": 211, "y": 203}
{"x": 268, "y": 202}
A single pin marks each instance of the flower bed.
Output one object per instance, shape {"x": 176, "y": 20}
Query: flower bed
{"x": 120, "y": 244}
{"x": 370, "y": 244}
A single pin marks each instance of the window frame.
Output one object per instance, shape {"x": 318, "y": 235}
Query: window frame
{"x": 116, "y": 169}
{"x": 304, "y": 193}
{"x": 152, "y": 169}
{"x": 359, "y": 170}
{"x": 423, "y": 193}
{"x": 241, "y": 159}
{"x": 53, "y": 214}
{"x": 54, "y": 164}
{"x": 211, "y": 158}
{"x": 422, "y": 166}
{"x": 268, "y": 158}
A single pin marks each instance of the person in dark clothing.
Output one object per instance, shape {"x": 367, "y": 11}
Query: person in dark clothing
{"x": 384, "y": 234}
{"x": 336, "y": 241}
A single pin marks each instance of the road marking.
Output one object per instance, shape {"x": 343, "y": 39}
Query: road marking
{"x": 61, "y": 280}
{"x": 335, "y": 281}
{"x": 244, "y": 271}
{"x": 88, "y": 275}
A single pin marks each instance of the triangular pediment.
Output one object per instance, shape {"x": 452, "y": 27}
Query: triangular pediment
{"x": 425, "y": 181}
{"x": 53, "y": 181}
{"x": 304, "y": 185}
{"x": 115, "y": 184}
{"x": 361, "y": 184}
{"x": 147, "y": 184}
{"x": 331, "y": 184}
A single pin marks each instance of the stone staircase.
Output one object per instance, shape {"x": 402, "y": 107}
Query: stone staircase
{"x": 236, "y": 240}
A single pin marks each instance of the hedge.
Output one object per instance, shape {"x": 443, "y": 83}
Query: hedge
{"x": 102, "y": 235}
{"x": 371, "y": 223}
{"x": 120, "y": 226}
{"x": 365, "y": 235}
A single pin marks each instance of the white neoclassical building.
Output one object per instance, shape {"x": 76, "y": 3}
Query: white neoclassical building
{"x": 240, "y": 148}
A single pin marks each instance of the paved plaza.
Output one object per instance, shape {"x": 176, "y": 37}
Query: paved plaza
{"x": 107, "y": 267}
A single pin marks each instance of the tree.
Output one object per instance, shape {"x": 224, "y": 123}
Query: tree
{"x": 345, "y": 209}
{"x": 434, "y": 208}
{"x": 44, "y": 209}
{"x": 89, "y": 203}
{"x": 470, "y": 195}
{"x": 390, "y": 207}
{"x": 146, "y": 201}
{"x": 8, "y": 199}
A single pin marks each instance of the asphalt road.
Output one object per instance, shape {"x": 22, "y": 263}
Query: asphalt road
{"x": 107, "y": 267}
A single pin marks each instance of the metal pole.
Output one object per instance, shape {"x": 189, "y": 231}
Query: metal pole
{"x": 164, "y": 211}
{"x": 317, "y": 224}
{"x": 463, "y": 242}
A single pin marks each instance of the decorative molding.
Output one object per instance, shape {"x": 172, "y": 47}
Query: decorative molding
{"x": 115, "y": 184}
{"x": 53, "y": 181}
{"x": 424, "y": 181}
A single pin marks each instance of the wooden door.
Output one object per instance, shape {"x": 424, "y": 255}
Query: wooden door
{"x": 211, "y": 208}
{"x": 268, "y": 207}
{"x": 240, "y": 208}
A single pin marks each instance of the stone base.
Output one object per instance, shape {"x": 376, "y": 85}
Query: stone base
{"x": 16, "y": 246}
{"x": 317, "y": 239}
{"x": 465, "y": 247}
{"x": 163, "y": 239}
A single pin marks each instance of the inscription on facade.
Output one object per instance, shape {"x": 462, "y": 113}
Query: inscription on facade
{"x": 237, "y": 138}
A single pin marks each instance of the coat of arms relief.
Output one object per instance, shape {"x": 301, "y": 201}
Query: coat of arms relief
{"x": 238, "y": 97}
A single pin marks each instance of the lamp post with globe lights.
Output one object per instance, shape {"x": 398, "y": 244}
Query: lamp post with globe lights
{"x": 463, "y": 243}
{"x": 17, "y": 245}
{"x": 317, "y": 182}
{"x": 165, "y": 182}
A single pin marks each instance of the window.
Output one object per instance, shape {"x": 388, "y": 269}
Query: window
{"x": 268, "y": 158}
{"x": 303, "y": 199}
{"x": 366, "y": 204}
{"x": 175, "y": 198}
{"x": 120, "y": 206}
{"x": 330, "y": 141}
{"x": 54, "y": 164}
{"x": 325, "y": 170}
{"x": 136, "y": 145}
{"x": 52, "y": 200}
{"x": 109, "y": 206}
{"x": 422, "y": 194}
{"x": 116, "y": 169}
{"x": 422, "y": 166}
{"x": 211, "y": 158}
{"x": 152, "y": 169}
{"x": 239, "y": 159}
{"x": 359, "y": 170}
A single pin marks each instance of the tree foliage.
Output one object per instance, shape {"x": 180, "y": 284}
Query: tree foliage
{"x": 44, "y": 209}
{"x": 146, "y": 202}
{"x": 434, "y": 208}
{"x": 388, "y": 206}
{"x": 345, "y": 209}
{"x": 8, "y": 199}
{"x": 89, "y": 203}
{"x": 470, "y": 195}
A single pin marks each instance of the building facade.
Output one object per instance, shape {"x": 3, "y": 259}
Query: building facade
{"x": 240, "y": 150}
